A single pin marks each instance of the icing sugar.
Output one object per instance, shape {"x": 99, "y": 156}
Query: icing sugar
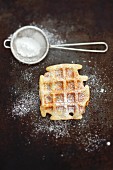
{"x": 27, "y": 47}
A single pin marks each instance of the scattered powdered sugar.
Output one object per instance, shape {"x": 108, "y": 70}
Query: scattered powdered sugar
{"x": 26, "y": 103}
{"x": 53, "y": 37}
{"x": 27, "y": 76}
{"x": 27, "y": 46}
{"x": 96, "y": 82}
{"x": 94, "y": 142}
{"x": 57, "y": 129}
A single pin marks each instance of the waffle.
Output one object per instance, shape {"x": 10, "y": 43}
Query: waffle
{"x": 62, "y": 92}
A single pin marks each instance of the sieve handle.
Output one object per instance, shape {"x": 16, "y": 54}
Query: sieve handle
{"x": 5, "y": 43}
{"x": 66, "y": 47}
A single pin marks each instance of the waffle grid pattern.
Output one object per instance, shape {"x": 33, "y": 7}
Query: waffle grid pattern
{"x": 62, "y": 93}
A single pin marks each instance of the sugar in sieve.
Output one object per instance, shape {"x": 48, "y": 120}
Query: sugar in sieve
{"x": 30, "y": 45}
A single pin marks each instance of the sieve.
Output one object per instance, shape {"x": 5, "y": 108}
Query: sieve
{"x": 30, "y": 45}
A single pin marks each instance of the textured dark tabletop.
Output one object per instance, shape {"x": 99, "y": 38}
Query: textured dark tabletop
{"x": 28, "y": 141}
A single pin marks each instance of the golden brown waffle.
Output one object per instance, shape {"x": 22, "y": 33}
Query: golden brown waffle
{"x": 62, "y": 92}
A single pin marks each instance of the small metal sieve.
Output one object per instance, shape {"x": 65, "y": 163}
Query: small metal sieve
{"x": 30, "y": 45}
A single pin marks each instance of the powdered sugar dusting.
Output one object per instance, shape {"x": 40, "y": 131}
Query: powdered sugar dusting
{"x": 52, "y": 36}
{"x": 27, "y": 76}
{"x": 27, "y": 46}
{"x": 25, "y": 103}
{"x": 94, "y": 142}
{"x": 57, "y": 129}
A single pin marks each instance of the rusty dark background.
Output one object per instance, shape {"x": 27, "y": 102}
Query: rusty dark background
{"x": 22, "y": 144}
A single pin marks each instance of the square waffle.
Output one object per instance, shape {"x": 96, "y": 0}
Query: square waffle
{"x": 62, "y": 92}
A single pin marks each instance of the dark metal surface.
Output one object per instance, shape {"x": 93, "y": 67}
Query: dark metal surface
{"x": 28, "y": 141}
